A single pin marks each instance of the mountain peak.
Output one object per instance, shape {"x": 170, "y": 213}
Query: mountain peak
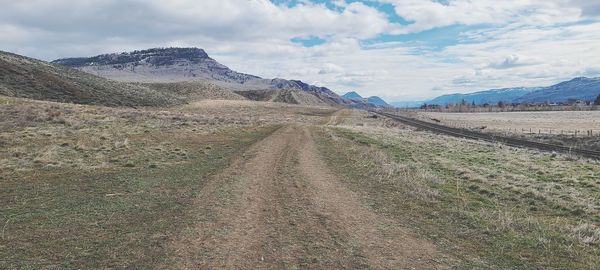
{"x": 157, "y": 65}
{"x": 154, "y": 56}
{"x": 377, "y": 101}
{"x": 352, "y": 95}
{"x": 165, "y": 65}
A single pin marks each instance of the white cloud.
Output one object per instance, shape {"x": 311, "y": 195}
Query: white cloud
{"x": 524, "y": 42}
{"x": 429, "y": 14}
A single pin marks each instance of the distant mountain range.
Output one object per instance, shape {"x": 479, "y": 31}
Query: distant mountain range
{"x": 581, "y": 88}
{"x": 373, "y": 101}
{"x": 492, "y": 96}
{"x": 167, "y": 76}
{"x": 168, "y": 65}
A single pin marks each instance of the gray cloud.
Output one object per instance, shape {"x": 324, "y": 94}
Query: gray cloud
{"x": 512, "y": 61}
{"x": 589, "y": 8}
{"x": 85, "y": 25}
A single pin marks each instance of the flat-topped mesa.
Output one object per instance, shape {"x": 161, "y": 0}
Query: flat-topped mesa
{"x": 155, "y": 57}
{"x": 168, "y": 65}
{"x": 157, "y": 65}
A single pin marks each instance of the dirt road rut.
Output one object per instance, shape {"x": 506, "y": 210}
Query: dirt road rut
{"x": 279, "y": 207}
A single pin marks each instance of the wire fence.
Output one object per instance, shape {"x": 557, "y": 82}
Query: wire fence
{"x": 530, "y": 131}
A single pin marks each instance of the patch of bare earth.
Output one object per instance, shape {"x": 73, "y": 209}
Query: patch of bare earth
{"x": 279, "y": 206}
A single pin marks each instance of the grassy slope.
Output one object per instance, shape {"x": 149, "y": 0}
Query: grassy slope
{"x": 194, "y": 90}
{"x": 489, "y": 207}
{"x": 30, "y": 78}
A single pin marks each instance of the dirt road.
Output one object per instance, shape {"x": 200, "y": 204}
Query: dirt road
{"x": 279, "y": 207}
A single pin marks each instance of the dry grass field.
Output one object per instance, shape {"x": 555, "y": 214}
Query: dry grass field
{"x": 489, "y": 206}
{"x": 238, "y": 184}
{"x": 503, "y": 121}
{"x": 96, "y": 187}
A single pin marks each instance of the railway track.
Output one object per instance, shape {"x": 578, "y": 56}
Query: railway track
{"x": 469, "y": 134}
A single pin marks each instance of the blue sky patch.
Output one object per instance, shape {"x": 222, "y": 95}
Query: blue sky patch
{"x": 309, "y": 42}
{"x": 435, "y": 39}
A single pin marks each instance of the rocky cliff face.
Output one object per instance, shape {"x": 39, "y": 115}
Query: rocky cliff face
{"x": 186, "y": 64}
{"x": 157, "y": 65}
{"x": 156, "y": 57}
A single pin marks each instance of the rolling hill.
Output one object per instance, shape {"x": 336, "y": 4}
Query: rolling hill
{"x": 25, "y": 77}
{"x": 377, "y": 101}
{"x": 358, "y": 101}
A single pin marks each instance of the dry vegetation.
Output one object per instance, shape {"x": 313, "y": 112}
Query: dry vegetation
{"x": 30, "y": 78}
{"x": 491, "y": 206}
{"x": 569, "y": 128}
{"x": 96, "y": 187}
{"x": 36, "y": 134}
{"x": 194, "y": 90}
{"x": 289, "y": 96}
{"x": 502, "y": 121}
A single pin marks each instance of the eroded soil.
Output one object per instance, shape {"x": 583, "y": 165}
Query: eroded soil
{"x": 278, "y": 206}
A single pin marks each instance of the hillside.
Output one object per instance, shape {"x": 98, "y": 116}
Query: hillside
{"x": 377, "y": 101}
{"x": 194, "y": 90}
{"x": 25, "y": 77}
{"x": 493, "y": 96}
{"x": 168, "y": 65}
{"x": 585, "y": 89}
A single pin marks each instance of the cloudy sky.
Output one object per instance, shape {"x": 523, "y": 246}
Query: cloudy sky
{"x": 397, "y": 49}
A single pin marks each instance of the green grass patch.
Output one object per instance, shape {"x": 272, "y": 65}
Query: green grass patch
{"x": 121, "y": 217}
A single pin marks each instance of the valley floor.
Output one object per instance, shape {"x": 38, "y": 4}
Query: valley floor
{"x": 247, "y": 185}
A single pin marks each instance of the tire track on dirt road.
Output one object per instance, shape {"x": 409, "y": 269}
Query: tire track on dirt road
{"x": 279, "y": 207}
{"x": 386, "y": 244}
